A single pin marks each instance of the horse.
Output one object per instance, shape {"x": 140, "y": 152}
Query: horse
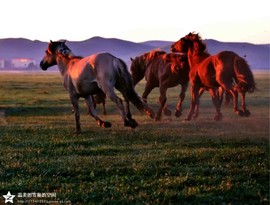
{"x": 226, "y": 69}
{"x": 93, "y": 75}
{"x": 163, "y": 70}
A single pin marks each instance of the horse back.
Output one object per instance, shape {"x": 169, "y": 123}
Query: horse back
{"x": 88, "y": 73}
{"x": 168, "y": 69}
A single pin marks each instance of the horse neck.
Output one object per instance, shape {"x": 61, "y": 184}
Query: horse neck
{"x": 195, "y": 58}
{"x": 141, "y": 64}
{"x": 62, "y": 64}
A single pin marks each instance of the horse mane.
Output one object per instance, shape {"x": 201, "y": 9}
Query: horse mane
{"x": 153, "y": 54}
{"x": 147, "y": 57}
{"x": 177, "y": 61}
{"x": 74, "y": 57}
{"x": 199, "y": 49}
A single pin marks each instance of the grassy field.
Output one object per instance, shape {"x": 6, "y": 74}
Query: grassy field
{"x": 167, "y": 162}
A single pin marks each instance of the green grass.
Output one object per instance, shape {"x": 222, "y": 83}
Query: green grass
{"x": 167, "y": 162}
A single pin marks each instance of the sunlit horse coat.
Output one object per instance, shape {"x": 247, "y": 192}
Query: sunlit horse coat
{"x": 84, "y": 77}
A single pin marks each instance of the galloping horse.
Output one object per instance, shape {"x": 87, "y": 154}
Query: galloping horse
{"x": 164, "y": 71}
{"x": 93, "y": 75}
{"x": 225, "y": 69}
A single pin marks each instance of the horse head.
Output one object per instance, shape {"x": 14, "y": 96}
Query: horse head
{"x": 180, "y": 46}
{"x": 191, "y": 41}
{"x": 55, "y": 50}
{"x": 137, "y": 69}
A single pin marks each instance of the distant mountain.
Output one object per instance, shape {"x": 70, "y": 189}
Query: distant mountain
{"x": 21, "y": 48}
{"x": 158, "y": 44}
{"x": 256, "y": 55}
{"x": 120, "y": 48}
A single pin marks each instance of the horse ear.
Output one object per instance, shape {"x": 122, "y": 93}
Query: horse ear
{"x": 131, "y": 59}
{"x": 50, "y": 41}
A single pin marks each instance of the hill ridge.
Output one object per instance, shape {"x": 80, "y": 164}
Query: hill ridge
{"x": 257, "y": 55}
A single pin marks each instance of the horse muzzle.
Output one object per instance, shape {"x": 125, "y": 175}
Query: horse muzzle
{"x": 173, "y": 49}
{"x": 43, "y": 65}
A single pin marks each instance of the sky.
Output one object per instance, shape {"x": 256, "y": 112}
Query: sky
{"x": 136, "y": 20}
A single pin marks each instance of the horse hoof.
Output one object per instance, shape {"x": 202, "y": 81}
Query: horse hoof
{"x": 178, "y": 113}
{"x": 107, "y": 124}
{"x": 150, "y": 113}
{"x": 167, "y": 112}
{"x": 104, "y": 124}
{"x": 240, "y": 113}
{"x": 131, "y": 123}
{"x": 246, "y": 113}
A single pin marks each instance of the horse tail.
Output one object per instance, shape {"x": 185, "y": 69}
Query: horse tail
{"x": 125, "y": 85}
{"x": 244, "y": 76}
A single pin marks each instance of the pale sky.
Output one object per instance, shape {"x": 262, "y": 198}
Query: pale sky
{"x": 136, "y": 20}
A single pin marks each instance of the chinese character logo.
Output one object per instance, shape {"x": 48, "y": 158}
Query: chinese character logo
{"x": 9, "y": 197}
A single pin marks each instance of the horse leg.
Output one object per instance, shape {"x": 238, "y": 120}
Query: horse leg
{"x": 196, "y": 110}
{"x": 75, "y": 103}
{"x": 228, "y": 86}
{"x": 132, "y": 122}
{"x": 127, "y": 122}
{"x": 162, "y": 101}
{"x": 220, "y": 94}
{"x": 104, "y": 108}
{"x": 216, "y": 102}
{"x": 235, "y": 102}
{"x": 194, "y": 101}
{"x": 178, "y": 110}
{"x": 166, "y": 111}
{"x": 90, "y": 104}
{"x": 148, "y": 88}
{"x": 246, "y": 112}
{"x": 228, "y": 97}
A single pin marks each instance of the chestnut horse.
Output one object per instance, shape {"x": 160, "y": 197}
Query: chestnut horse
{"x": 164, "y": 71}
{"x": 92, "y": 75}
{"x": 225, "y": 69}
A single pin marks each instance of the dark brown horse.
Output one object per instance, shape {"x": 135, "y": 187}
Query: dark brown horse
{"x": 225, "y": 69}
{"x": 164, "y": 71}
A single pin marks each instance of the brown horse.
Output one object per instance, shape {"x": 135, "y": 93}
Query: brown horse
{"x": 164, "y": 71}
{"x": 92, "y": 75}
{"x": 225, "y": 69}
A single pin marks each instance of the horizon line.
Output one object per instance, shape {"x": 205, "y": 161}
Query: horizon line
{"x": 5, "y": 38}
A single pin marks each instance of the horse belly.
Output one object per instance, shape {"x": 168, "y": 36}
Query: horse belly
{"x": 83, "y": 79}
{"x": 85, "y": 88}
